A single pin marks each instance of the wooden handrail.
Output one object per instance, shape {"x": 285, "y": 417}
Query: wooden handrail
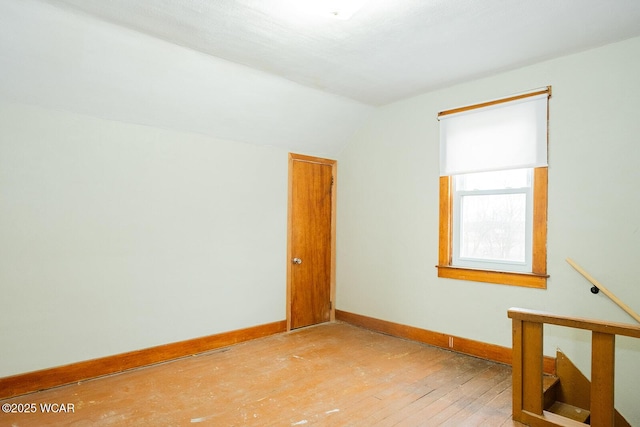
{"x": 612, "y": 328}
{"x": 604, "y": 290}
{"x": 528, "y": 399}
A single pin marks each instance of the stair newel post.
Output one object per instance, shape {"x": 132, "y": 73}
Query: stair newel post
{"x": 532, "y": 397}
{"x": 517, "y": 374}
{"x": 602, "y": 379}
{"x": 527, "y": 368}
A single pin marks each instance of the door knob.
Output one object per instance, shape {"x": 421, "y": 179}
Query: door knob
{"x": 296, "y": 261}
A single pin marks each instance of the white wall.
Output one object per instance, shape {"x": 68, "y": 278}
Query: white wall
{"x": 116, "y": 237}
{"x": 388, "y": 211}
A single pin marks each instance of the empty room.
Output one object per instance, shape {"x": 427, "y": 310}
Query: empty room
{"x": 315, "y": 212}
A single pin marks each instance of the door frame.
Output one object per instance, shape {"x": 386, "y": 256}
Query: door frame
{"x": 332, "y": 281}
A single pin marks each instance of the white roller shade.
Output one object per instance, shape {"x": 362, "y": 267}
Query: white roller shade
{"x": 506, "y": 135}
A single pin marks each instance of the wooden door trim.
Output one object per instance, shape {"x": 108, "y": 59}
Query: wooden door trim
{"x": 334, "y": 171}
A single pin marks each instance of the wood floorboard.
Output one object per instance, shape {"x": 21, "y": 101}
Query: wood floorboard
{"x": 332, "y": 374}
{"x": 456, "y": 402}
{"x": 476, "y": 411}
{"x": 439, "y": 386}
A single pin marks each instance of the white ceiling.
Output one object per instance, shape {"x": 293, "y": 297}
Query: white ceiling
{"x": 390, "y": 49}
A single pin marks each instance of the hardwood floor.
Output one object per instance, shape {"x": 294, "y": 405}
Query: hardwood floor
{"x": 332, "y": 374}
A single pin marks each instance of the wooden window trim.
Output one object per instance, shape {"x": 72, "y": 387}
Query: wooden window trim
{"x": 536, "y": 279}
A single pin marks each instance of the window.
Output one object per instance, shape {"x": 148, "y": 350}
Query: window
{"x": 492, "y": 217}
{"x": 493, "y": 191}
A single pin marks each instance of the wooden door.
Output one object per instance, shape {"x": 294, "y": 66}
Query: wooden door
{"x": 311, "y": 237}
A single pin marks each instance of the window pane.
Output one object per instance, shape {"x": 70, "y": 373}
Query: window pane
{"x": 493, "y": 227}
{"x": 513, "y": 178}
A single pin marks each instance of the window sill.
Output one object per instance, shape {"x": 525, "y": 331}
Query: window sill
{"x": 529, "y": 280}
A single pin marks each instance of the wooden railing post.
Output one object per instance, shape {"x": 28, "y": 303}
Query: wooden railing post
{"x": 517, "y": 374}
{"x": 532, "y": 397}
{"x": 602, "y": 379}
{"x": 527, "y": 368}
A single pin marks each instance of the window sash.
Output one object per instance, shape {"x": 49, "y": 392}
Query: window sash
{"x": 487, "y": 263}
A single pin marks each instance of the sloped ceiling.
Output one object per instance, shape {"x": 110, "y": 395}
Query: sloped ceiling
{"x": 274, "y": 72}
